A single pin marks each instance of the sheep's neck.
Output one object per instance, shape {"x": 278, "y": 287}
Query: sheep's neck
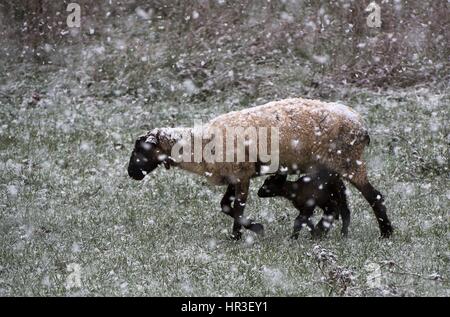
{"x": 168, "y": 140}
{"x": 168, "y": 137}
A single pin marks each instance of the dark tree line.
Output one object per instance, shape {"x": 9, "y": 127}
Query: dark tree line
{"x": 412, "y": 44}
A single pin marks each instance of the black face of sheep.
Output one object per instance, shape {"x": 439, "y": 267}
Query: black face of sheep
{"x": 272, "y": 186}
{"x": 144, "y": 159}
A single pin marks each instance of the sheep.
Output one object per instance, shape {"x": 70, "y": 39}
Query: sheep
{"x": 322, "y": 188}
{"x": 311, "y": 134}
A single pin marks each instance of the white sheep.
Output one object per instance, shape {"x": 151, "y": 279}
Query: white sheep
{"x": 312, "y": 135}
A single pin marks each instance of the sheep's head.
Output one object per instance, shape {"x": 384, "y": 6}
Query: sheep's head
{"x": 146, "y": 156}
{"x": 273, "y": 186}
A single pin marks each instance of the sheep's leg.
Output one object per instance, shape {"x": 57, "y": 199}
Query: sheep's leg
{"x": 345, "y": 213}
{"x": 343, "y": 209}
{"x": 228, "y": 197}
{"x": 376, "y": 201}
{"x": 241, "y": 194}
{"x": 228, "y": 209}
{"x": 303, "y": 219}
{"x": 373, "y": 196}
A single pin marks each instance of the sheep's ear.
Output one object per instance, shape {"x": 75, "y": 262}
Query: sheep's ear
{"x": 137, "y": 144}
{"x": 142, "y": 145}
{"x": 151, "y": 139}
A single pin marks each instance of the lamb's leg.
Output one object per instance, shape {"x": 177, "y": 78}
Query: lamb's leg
{"x": 241, "y": 194}
{"x": 304, "y": 218}
{"x": 330, "y": 212}
{"x": 359, "y": 179}
{"x": 335, "y": 206}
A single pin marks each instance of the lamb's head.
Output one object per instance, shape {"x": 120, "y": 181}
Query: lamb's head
{"x": 146, "y": 156}
{"x": 273, "y": 186}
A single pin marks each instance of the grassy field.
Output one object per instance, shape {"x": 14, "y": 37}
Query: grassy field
{"x": 67, "y": 205}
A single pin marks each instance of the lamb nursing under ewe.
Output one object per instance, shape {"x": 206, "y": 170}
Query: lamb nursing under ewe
{"x": 311, "y": 135}
{"x": 321, "y": 188}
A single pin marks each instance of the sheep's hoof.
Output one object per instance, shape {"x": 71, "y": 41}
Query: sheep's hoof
{"x": 317, "y": 233}
{"x": 386, "y": 232}
{"x": 236, "y": 236}
{"x": 256, "y": 228}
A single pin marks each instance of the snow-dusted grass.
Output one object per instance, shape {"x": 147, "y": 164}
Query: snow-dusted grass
{"x": 66, "y": 201}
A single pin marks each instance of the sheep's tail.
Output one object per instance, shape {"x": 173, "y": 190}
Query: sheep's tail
{"x": 366, "y": 137}
{"x": 360, "y": 137}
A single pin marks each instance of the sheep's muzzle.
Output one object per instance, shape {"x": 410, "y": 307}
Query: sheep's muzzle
{"x": 135, "y": 172}
{"x": 136, "y": 166}
{"x": 142, "y": 161}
